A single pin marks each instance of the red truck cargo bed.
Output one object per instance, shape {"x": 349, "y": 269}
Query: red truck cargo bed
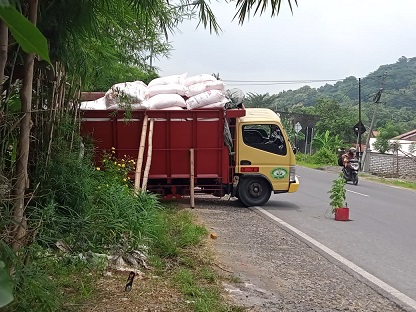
{"x": 175, "y": 133}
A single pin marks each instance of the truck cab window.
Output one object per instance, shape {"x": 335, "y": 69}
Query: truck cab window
{"x": 266, "y": 137}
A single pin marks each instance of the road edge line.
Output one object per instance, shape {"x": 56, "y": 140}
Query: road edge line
{"x": 378, "y": 285}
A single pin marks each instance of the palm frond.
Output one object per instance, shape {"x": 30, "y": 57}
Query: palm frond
{"x": 245, "y": 7}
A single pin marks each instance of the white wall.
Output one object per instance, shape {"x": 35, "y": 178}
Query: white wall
{"x": 404, "y": 145}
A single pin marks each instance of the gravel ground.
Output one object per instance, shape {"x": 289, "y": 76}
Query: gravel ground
{"x": 275, "y": 271}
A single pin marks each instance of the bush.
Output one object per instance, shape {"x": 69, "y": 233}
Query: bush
{"x": 325, "y": 157}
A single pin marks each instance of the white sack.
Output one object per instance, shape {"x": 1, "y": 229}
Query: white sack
{"x": 198, "y": 78}
{"x": 98, "y": 104}
{"x": 171, "y": 88}
{"x": 127, "y": 92}
{"x": 160, "y": 101}
{"x": 205, "y": 98}
{"x": 142, "y": 105}
{"x": 172, "y": 108}
{"x": 220, "y": 104}
{"x": 200, "y": 87}
{"x": 167, "y": 80}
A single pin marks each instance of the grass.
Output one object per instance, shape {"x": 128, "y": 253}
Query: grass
{"x": 309, "y": 165}
{"x": 60, "y": 281}
{"x": 93, "y": 209}
{"x": 390, "y": 181}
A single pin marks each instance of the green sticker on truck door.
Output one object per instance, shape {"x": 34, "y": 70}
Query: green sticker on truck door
{"x": 279, "y": 173}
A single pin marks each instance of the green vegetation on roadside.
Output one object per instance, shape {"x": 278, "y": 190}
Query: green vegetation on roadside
{"x": 389, "y": 181}
{"x": 80, "y": 209}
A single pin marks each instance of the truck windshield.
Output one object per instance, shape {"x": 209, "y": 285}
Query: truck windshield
{"x": 266, "y": 137}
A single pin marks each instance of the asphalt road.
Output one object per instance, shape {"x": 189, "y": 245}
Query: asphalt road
{"x": 381, "y": 236}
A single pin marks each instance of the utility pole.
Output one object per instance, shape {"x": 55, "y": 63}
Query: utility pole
{"x": 376, "y": 99}
{"x": 359, "y": 121}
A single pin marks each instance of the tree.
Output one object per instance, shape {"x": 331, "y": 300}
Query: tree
{"x": 261, "y": 100}
{"x": 382, "y": 143}
{"x": 336, "y": 119}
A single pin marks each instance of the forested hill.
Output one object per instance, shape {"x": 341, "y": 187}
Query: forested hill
{"x": 398, "y": 81}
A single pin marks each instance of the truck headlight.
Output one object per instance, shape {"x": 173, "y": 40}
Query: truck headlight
{"x": 292, "y": 174}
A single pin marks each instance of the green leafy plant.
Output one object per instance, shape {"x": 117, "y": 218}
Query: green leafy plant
{"x": 327, "y": 141}
{"x": 324, "y": 156}
{"x": 6, "y": 293}
{"x": 337, "y": 193}
{"x": 24, "y": 32}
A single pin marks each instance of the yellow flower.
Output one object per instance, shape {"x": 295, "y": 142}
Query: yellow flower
{"x": 115, "y": 163}
{"x": 119, "y": 165}
{"x": 99, "y": 187}
{"x": 98, "y": 168}
{"x": 123, "y": 158}
{"x": 113, "y": 148}
{"x": 123, "y": 165}
{"x": 103, "y": 160}
{"x": 106, "y": 185}
{"x": 124, "y": 179}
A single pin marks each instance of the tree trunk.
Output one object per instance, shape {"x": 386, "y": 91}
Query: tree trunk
{"x": 22, "y": 181}
{"x": 4, "y": 39}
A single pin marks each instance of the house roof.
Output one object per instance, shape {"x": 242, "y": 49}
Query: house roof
{"x": 411, "y": 135}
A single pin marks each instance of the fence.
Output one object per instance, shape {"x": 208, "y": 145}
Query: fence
{"x": 392, "y": 165}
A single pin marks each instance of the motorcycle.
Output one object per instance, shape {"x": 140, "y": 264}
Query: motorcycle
{"x": 351, "y": 171}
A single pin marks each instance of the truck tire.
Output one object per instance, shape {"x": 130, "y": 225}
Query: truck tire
{"x": 254, "y": 191}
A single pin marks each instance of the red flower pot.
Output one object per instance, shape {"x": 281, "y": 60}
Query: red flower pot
{"x": 342, "y": 214}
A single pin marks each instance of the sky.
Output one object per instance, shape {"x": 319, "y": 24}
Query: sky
{"x": 324, "y": 40}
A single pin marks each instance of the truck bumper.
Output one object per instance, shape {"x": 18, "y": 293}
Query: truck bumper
{"x": 293, "y": 187}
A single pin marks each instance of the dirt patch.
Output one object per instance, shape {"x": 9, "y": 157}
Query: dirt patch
{"x": 148, "y": 293}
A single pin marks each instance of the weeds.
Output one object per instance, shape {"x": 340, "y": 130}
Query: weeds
{"x": 90, "y": 208}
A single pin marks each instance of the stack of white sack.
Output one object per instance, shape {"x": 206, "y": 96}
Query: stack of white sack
{"x": 204, "y": 91}
{"x": 98, "y": 104}
{"x": 166, "y": 92}
{"x": 126, "y": 94}
{"x": 171, "y": 93}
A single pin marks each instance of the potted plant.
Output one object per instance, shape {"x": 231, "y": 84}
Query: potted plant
{"x": 337, "y": 197}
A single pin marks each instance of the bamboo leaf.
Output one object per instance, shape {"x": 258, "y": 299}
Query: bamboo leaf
{"x": 26, "y": 34}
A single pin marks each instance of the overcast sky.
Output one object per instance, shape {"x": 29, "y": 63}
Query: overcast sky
{"x": 322, "y": 40}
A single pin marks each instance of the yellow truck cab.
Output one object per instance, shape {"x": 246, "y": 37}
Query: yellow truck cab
{"x": 265, "y": 159}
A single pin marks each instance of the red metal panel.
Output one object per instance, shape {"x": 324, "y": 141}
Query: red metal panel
{"x": 175, "y": 133}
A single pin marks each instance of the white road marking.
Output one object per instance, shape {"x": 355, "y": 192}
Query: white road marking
{"x": 389, "y": 289}
{"x": 358, "y": 193}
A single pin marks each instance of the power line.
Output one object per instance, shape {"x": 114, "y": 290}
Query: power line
{"x": 275, "y": 82}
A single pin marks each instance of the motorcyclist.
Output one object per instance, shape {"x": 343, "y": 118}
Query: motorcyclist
{"x": 348, "y": 156}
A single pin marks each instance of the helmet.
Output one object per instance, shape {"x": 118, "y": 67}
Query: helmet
{"x": 353, "y": 150}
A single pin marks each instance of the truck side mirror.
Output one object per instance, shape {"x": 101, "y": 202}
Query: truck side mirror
{"x": 294, "y": 149}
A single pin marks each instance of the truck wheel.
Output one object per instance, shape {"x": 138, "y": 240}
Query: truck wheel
{"x": 254, "y": 191}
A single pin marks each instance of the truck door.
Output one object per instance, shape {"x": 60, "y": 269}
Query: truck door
{"x": 264, "y": 148}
